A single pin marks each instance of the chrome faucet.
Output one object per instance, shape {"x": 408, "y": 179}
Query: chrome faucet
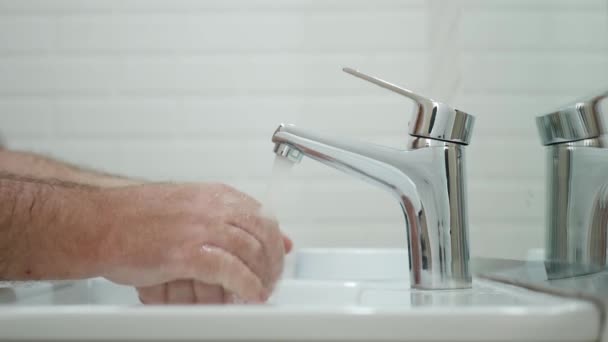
{"x": 428, "y": 180}
{"x": 577, "y": 184}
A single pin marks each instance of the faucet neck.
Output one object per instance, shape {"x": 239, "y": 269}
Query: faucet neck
{"x": 577, "y": 198}
{"x": 436, "y": 214}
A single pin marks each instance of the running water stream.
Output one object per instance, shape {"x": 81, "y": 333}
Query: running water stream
{"x": 277, "y": 187}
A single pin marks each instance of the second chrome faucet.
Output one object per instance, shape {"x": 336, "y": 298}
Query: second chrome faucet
{"x": 428, "y": 179}
{"x": 577, "y": 186}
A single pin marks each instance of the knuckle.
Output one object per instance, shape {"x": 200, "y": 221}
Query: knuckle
{"x": 256, "y": 220}
{"x": 257, "y": 249}
{"x": 256, "y": 258}
{"x": 245, "y": 242}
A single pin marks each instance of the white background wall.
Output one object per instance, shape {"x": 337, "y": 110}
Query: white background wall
{"x": 191, "y": 91}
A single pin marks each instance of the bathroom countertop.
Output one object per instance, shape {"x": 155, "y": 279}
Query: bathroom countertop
{"x": 533, "y": 275}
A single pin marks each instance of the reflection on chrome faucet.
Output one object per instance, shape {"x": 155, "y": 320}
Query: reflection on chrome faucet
{"x": 428, "y": 179}
{"x": 577, "y": 186}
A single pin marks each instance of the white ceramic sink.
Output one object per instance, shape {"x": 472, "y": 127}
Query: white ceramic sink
{"x": 330, "y": 294}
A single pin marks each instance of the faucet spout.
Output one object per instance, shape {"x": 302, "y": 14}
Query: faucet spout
{"x": 428, "y": 180}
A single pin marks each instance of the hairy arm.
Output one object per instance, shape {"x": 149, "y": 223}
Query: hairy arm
{"x": 182, "y": 243}
{"x": 51, "y": 217}
{"x": 176, "y": 243}
{"x": 28, "y": 164}
{"x": 49, "y": 230}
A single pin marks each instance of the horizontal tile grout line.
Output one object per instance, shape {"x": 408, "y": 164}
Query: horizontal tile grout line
{"x": 379, "y": 221}
{"x": 494, "y": 186}
{"x": 203, "y": 139}
{"x": 388, "y": 53}
{"x": 193, "y": 98}
{"x": 297, "y": 10}
{"x": 186, "y": 138}
{"x": 211, "y": 52}
{"x": 299, "y": 92}
{"x": 114, "y": 11}
{"x": 515, "y": 101}
{"x": 212, "y": 93}
{"x": 178, "y": 97}
{"x": 297, "y": 97}
{"x": 515, "y": 224}
{"x": 197, "y": 139}
{"x": 6, "y": 53}
{"x": 346, "y": 180}
{"x": 467, "y": 52}
{"x": 499, "y": 182}
{"x": 567, "y": 8}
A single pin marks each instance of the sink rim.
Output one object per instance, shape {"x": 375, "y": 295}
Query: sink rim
{"x": 563, "y": 319}
{"x": 573, "y": 320}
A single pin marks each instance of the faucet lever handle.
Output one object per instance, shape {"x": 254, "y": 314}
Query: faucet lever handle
{"x": 423, "y": 101}
{"x": 432, "y": 119}
{"x": 579, "y": 120}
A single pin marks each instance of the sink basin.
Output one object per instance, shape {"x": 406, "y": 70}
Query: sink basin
{"x": 325, "y": 294}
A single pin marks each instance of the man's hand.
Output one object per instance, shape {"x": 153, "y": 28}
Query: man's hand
{"x": 206, "y": 243}
{"x": 177, "y": 243}
{"x": 192, "y": 291}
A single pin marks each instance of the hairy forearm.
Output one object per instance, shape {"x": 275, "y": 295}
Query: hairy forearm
{"x": 49, "y": 230}
{"x": 28, "y": 164}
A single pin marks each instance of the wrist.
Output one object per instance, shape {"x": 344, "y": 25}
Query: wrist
{"x": 64, "y": 233}
{"x": 109, "y": 223}
{"x": 117, "y": 210}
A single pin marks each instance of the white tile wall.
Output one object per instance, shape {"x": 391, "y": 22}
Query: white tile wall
{"x": 192, "y": 90}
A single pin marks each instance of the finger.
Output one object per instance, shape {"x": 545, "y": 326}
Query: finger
{"x": 275, "y": 248}
{"x": 207, "y": 293}
{"x": 244, "y": 245}
{"x": 213, "y": 265}
{"x": 287, "y": 244}
{"x": 156, "y": 294}
{"x": 266, "y": 230}
{"x": 180, "y": 292}
{"x": 247, "y": 214}
{"x": 231, "y": 298}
